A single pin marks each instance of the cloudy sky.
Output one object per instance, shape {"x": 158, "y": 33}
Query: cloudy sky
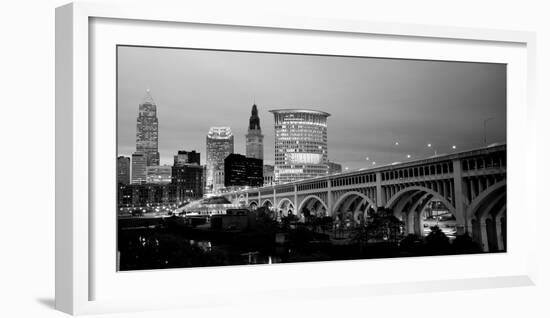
{"x": 373, "y": 103}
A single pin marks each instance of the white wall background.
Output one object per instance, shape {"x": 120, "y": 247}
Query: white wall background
{"x": 27, "y": 157}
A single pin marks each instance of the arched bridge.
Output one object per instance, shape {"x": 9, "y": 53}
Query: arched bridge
{"x": 471, "y": 184}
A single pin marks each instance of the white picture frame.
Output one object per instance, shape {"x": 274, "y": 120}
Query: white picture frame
{"x": 78, "y": 146}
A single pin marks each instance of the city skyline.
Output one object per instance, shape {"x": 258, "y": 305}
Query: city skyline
{"x": 385, "y": 111}
{"x": 321, "y": 115}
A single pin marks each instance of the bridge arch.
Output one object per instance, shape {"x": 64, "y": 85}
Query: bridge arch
{"x": 488, "y": 216}
{"x": 484, "y": 196}
{"x": 347, "y": 200}
{"x": 414, "y": 224}
{"x": 253, "y": 205}
{"x": 307, "y": 200}
{"x": 408, "y": 192}
{"x": 286, "y": 206}
{"x": 267, "y": 203}
{"x": 408, "y": 204}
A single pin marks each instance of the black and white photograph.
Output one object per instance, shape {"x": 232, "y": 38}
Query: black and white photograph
{"x": 242, "y": 158}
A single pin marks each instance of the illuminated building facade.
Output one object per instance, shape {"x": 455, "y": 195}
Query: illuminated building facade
{"x": 147, "y": 131}
{"x": 254, "y": 137}
{"x": 139, "y": 168}
{"x": 188, "y": 180}
{"x": 219, "y": 145}
{"x": 159, "y": 174}
{"x": 146, "y": 197}
{"x": 269, "y": 175}
{"x": 300, "y": 144}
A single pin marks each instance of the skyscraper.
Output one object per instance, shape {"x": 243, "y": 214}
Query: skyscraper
{"x": 123, "y": 169}
{"x": 300, "y": 144}
{"x": 219, "y": 145}
{"x": 254, "y": 137}
{"x": 147, "y": 131}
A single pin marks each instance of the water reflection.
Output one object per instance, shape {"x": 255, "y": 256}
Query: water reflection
{"x": 203, "y": 245}
{"x": 140, "y": 249}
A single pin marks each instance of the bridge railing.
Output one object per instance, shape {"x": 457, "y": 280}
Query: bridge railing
{"x": 434, "y": 166}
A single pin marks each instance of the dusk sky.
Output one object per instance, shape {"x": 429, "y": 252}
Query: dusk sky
{"x": 373, "y": 103}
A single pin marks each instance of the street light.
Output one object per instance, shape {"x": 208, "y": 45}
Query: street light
{"x": 430, "y": 146}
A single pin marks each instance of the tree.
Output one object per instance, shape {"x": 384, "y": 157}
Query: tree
{"x": 411, "y": 243}
{"x": 437, "y": 242}
{"x": 464, "y": 244}
{"x": 384, "y": 226}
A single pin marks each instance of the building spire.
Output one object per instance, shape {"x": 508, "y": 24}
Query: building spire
{"x": 148, "y": 98}
{"x": 254, "y": 122}
{"x": 254, "y": 137}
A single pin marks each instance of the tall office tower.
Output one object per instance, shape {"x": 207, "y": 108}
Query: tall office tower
{"x": 139, "y": 168}
{"x": 147, "y": 131}
{"x": 219, "y": 145}
{"x": 254, "y": 137}
{"x": 123, "y": 170}
{"x": 300, "y": 144}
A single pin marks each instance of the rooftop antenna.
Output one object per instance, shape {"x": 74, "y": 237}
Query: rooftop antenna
{"x": 148, "y": 97}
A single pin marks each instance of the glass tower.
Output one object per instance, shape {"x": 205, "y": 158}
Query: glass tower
{"x": 219, "y": 145}
{"x": 300, "y": 144}
{"x": 147, "y": 131}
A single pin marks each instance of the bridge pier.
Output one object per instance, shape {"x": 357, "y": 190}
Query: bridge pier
{"x": 329, "y": 198}
{"x": 297, "y": 212}
{"x": 410, "y": 223}
{"x": 498, "y": 230}
{"x": 275, "y": 204}
{"x": 380, "y": 199}
{"x": 462, "y": 226}
{"x": 483, "y": 234}
{"x": 418, "y": 225}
